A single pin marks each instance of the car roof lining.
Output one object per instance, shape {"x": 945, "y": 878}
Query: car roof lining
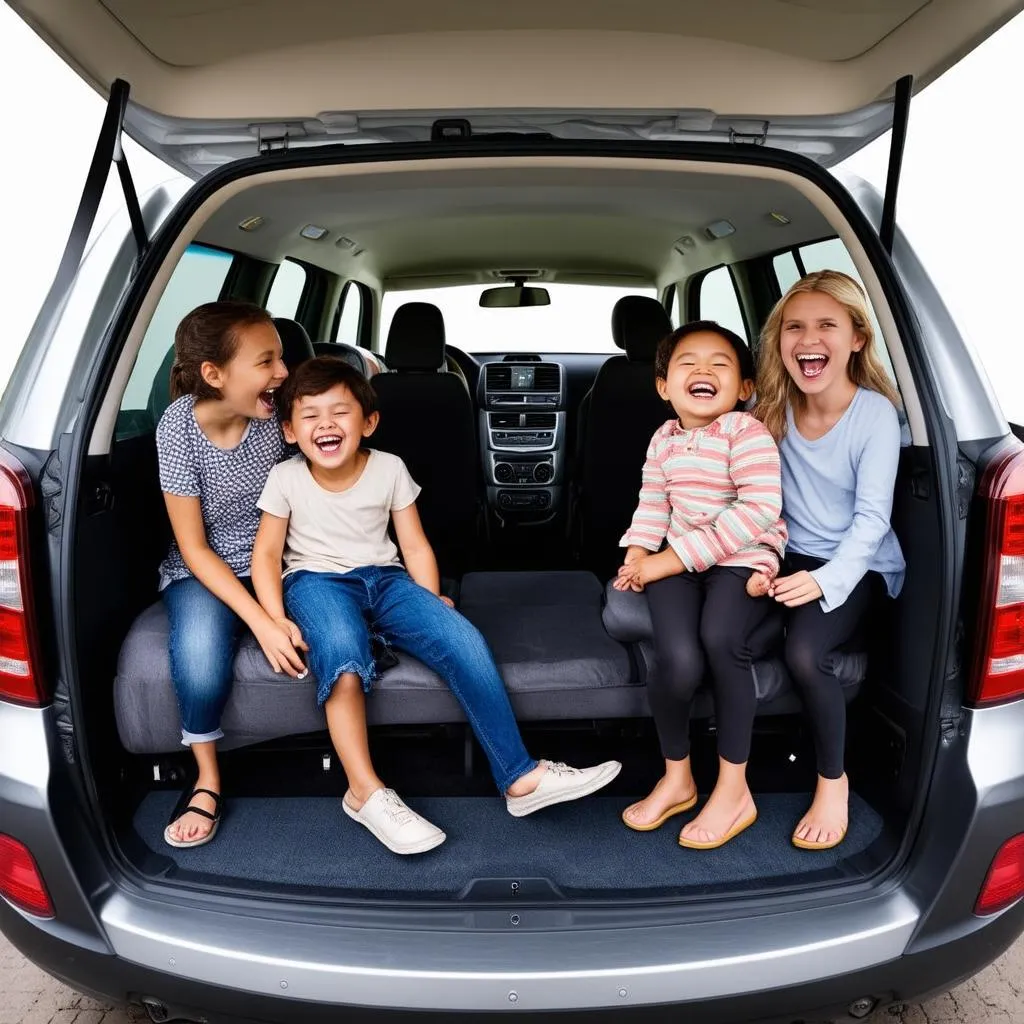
{"x": 602, "y": 223}
{"x": 386, "y": 172}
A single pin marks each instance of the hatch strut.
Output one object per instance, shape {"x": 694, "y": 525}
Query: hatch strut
{"x": 108, "y": 149}
{"x": 900, "y": 116}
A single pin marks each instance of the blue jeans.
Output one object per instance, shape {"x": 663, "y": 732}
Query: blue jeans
{"x": 204, "y": 638}
{"x": 337, "y": 612}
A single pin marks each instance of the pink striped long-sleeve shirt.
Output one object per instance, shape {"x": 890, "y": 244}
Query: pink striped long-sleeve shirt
{"x": 715, "y": 493}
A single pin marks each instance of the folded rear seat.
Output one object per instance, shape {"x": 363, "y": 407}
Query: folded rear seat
{"x": 627, "y": 618}
{"x": 544, "y": 628}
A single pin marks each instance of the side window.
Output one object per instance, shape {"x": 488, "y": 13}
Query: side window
{"x": 349, "y": 315}
{"x": 831, "y": 254}
{"x": 786, "y": 271}
{"x": 198, "y": 278}
{"x": 718, "y": 301}
{"x": 676, "y": 312}
{"x": 286, "y": 290}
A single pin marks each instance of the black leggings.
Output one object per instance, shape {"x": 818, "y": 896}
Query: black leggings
{"x": 814, "y": 640}
{"x": 700, "y": 619}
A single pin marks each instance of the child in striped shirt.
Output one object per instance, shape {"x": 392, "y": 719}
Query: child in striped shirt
{"x": 711, "y": 490}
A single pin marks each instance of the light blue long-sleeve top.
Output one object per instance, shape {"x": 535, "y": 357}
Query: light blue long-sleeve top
{"x": 837, "y": 496}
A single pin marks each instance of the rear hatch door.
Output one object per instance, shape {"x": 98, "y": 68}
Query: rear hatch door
{"x": 215, "y": 80}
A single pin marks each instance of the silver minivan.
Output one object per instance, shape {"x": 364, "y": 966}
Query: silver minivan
{"x": 643, "y": 165}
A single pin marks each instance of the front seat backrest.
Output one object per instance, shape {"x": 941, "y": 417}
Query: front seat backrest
{"x": 296, "y": 347}
{"x": 427, "y": 418}
{"x": 617, "y": 419}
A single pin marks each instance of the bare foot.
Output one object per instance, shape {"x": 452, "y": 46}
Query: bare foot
{"x": 826, "y": 822}
{"x": 526, "y": 784}
{"x": 666, "y": 794}
{"x": 727, "y": 806}
{"x": 190, "y": 827}
{"x": 758, "y": 584}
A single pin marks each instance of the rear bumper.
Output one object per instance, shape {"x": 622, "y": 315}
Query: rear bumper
{"x": 907, "y": 978}
{"x": 238, "y": 959}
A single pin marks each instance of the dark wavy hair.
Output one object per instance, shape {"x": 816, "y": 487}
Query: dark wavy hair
{"x": 667, "y": 346}
{"x": 319, "y": 375}
{"x": 209, "y": 334}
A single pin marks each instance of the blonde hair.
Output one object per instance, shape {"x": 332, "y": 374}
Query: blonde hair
{"x": 776, "y": 388}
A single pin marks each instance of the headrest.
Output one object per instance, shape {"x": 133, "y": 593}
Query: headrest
{"x": 416, "y": 338}
{"x": 294, "y": 341}
{"x": 638, "y": 324}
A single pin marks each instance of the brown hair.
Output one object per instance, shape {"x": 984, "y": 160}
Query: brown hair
{"x": 209, "y": 334}
{"x": 776, "y": 389}
{"x": 319, "y": 375}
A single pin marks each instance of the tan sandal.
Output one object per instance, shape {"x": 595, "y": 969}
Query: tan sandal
{"x": 675, "y": 809}
{"x": 740, "y": 826}
{"x": 803, "y": 844}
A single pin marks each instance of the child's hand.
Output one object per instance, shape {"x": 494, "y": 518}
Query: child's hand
{"x": 294, "y": 634}
{"x": 793, "y": 591}
{"x": 626, "y": 579}
{"x": 447, "y": 600}
{"x": 758, "y": 585}
{"x": 276, "y": 643}
{"x": 658, "y": 567}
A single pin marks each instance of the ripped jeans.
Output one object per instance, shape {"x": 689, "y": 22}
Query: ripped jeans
{"x": 338, "y": 614}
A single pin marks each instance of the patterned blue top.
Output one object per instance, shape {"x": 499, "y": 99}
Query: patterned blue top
{"x": 227, "y": 482}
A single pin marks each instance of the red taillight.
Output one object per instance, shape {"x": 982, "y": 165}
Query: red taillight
{"x": 999, "y": 661}
{"x": 20, "y": 881}
{"x": 20, "y": 679}
{"x": 1004, "y": 883}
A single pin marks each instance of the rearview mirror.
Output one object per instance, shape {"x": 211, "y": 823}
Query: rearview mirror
{"x": 517, "y": 295}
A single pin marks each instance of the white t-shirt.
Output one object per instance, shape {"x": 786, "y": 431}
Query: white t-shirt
{"x": 337, "y": 531}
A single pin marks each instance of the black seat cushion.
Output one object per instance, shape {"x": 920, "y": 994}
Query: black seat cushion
{"x": 627, "y": 617}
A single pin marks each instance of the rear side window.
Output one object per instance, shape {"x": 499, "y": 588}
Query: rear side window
{"x": 286, "y": 291}
{"x": 718, "y": 301}
{"x": 199, "y": 277}
{"x": 349, "y": 315}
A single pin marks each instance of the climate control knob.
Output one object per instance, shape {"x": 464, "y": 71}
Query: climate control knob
{"x": 543, "y": 472}
{"x": 504, "y": 473}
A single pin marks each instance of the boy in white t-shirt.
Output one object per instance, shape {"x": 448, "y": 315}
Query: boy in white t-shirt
{"x": 326, "y": 513}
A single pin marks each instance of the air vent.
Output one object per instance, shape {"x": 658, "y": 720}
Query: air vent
{"x": 499, "y": 378}
{"x": 547, "y": 377}
{"x": 543, "y": 420}
{"x": 504, "y": 420}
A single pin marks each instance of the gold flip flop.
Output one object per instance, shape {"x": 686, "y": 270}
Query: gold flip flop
{"x": 803, "y": 844}
{"x": 675, "y": 809}
{"x": 740, "y": 826}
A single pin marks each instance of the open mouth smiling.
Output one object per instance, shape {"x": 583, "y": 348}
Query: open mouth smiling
{"x": 702, "y": 389}
{"x": 329, "y": 444}
{"x": 267, "y": 398}
{"x": 812, "y": 364}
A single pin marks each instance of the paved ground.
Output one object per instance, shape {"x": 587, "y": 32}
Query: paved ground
{"x": 28, "y": 996}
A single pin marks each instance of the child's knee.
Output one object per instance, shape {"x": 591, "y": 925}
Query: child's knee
{"x": 347, "y": 684}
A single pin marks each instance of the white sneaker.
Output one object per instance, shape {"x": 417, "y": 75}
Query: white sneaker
{"x": 397, "y": 826}
{"x": 560, "y": 783}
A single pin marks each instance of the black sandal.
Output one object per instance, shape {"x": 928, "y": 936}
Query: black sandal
{"x": 215, "y": 818}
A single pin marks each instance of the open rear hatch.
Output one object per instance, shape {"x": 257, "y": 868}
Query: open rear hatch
{"x": 214, "y": 81}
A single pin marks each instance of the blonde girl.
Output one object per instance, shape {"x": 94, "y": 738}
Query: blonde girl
{"x": 826, "y": 399}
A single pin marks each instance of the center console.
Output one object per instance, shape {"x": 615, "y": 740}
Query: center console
{"x": 522, "y": 437}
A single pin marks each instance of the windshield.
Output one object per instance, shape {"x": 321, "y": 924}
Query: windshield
{"x": 579, "y": 318}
